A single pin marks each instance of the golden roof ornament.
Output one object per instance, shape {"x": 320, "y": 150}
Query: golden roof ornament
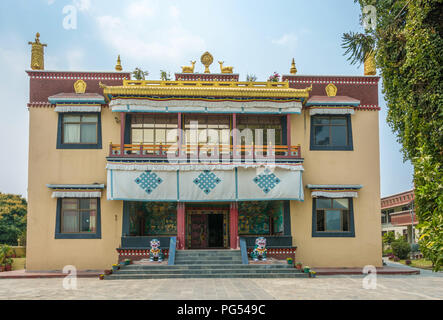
{"x": 37, "y": 53}
{"x": 331, "y": 90}
{"x": 207, "y": 59}
{"x": 118, "y": 66}
{"x": 189, "y": 69}
{"x": 225, "y": 69}
{"x": 293, "y": 68}
{"x": 80, "y": 86}
{"x": 370, "y": 67}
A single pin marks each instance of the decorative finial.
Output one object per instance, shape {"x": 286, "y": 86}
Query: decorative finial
{"x": 331, "y": 90}
{"x": 207, "y": 59}
{"x": 370, "y": 67}
{"x": 225, "y": 69}
{"x": 189, "y": 69}
{"x": 80, "y": 86}
{"x": 37, "y": 53}
{"x": 293, "y": 68}
{"x": 118, "y": 66}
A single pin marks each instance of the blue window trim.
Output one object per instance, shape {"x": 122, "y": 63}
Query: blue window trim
{"x": 59, "y": 235}
{"x": 61, "y": 145}
{"x": 325, "y": 234}
{"x": 349, "y": 147}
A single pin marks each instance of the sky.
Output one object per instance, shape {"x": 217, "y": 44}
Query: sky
{"x": 255, "y": 36}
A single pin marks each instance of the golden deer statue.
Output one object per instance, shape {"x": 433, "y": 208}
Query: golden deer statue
{"x": 225, "y": 69}
{"x": 189, "y": 69}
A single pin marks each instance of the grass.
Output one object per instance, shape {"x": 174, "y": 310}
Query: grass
{"x": 419, "y": 263}
{"x": 18, "y": 263}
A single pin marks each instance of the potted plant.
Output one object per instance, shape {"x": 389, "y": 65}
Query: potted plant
{"x": 408, "y": 262}
{"x": 306, "y": 269}
{"x": 101, "y": 277}
{"x": 115, "y": 267}
{"x": 299, "y": 265}
{"x": 108, "y": 271}
{"x": 8, "y": 264}
{"x": 127, "y": 261}
{"x": 2, "y": 268}
{"x": 274, "y": 78}
{"x": 312, "y": 274}
{"x": 289, "y": 260}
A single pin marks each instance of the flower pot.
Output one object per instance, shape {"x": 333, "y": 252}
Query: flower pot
{"x": 108, "y": 272}
{"x": 8, "y": 267}
{"x": 306, "y": 270}
{"x": 127, "y": 262}
{"x": 101, "y": 277}
{"x": 408, "y": 262}
{"x": 2, "y": 268}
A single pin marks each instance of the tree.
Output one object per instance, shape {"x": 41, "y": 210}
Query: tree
{"x": 165, "y": 76}
{"x": 13, "y": 210}
{"x": 139, "y": 74}
{"x": 407, "y": 42}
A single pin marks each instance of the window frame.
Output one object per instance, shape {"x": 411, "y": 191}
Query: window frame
{"x": 80, "y": 235}
{"x": 60, "y": 132}
{"x": 349, "y": 147}
{"x": 333, "y": 234}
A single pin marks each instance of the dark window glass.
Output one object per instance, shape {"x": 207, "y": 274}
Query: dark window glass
{"x": 78, "y": 215}
{"x": 80, "y": 128}
{"x": 332, "y": 215}
{"x": 329, "y": 132}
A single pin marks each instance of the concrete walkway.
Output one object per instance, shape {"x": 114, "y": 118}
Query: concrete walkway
{"x": 323, "y": 287}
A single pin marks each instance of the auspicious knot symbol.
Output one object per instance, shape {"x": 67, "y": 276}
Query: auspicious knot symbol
{"x": 148, "y": 181}
{"x": 266, "y": 181}
{"x": 207, "y": 181}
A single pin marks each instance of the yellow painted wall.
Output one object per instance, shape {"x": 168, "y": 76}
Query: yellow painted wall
{"x": 361, "y": 166}
{"x": 48, "y": 165}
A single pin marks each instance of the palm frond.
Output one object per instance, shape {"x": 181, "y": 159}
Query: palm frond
{"x": 358, "y": 46}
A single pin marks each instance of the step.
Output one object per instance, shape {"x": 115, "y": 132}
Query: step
{"x": 206, "y": 271}
{"x": 188, "y": 262}
{"x": 207, "y": 266}
{"x": 215, "y": 275}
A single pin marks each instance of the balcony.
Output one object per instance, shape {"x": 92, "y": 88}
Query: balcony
{"x": 402, "y": 218}
{"x": 185, "y": 152}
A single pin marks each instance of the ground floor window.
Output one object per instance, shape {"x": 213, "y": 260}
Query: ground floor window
{"x": 152, "y": 219}
{"x": 260, "y": 218}
{"x": 78, "y": 218}
{"x": 333, "y": 217}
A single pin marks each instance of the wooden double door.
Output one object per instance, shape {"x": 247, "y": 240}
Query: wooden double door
{"x": 207, "y": 228}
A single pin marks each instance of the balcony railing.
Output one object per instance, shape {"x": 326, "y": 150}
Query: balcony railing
{"x": 214, "y": 151}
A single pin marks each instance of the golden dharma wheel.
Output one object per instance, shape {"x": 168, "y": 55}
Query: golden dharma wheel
{"x": 207, "y": 59}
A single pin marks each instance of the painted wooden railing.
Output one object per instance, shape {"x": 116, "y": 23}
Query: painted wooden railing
{"x": 244, "y": 251}
{"x": 172, "y": 248}
{"x": 243, "y": 151}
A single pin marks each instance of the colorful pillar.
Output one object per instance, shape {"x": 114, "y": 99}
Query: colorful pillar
{"x": 122, "y": 132}
{"x": 233, "y": 225}
{"x": 180, "y": 226}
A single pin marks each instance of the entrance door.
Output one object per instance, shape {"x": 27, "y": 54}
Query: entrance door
{"x": 199, "y": 231}
{"x": 215, "y": 228}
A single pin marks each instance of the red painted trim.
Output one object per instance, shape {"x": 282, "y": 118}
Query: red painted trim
{"x": 122, "y": 133}
{"x": 233, "y": 226}
{"x": 181, "y": 226}
{"x": 234, "y": 133}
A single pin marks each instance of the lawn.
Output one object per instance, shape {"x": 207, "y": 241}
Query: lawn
{"x": 419, "y": 263}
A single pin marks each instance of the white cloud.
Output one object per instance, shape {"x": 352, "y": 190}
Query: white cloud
{"x": 286, "y": 39}
{"x": 149, "y": 30}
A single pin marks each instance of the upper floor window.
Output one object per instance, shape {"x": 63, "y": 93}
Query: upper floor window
{"x": 333, "y": 217}
{"x": 78, "y": 218}
{"x": 153, "y": 129}
{"x": 79, "y": 131}
{"x": 269, "y": 127}
{"x": 331, "y": 132}
{"x": 211, "y": 129}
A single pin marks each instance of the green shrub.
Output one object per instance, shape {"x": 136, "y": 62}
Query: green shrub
{"x": 401, "y": 248}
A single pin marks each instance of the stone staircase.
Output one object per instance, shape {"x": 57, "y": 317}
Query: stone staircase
{"x": 206, "y": 264}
